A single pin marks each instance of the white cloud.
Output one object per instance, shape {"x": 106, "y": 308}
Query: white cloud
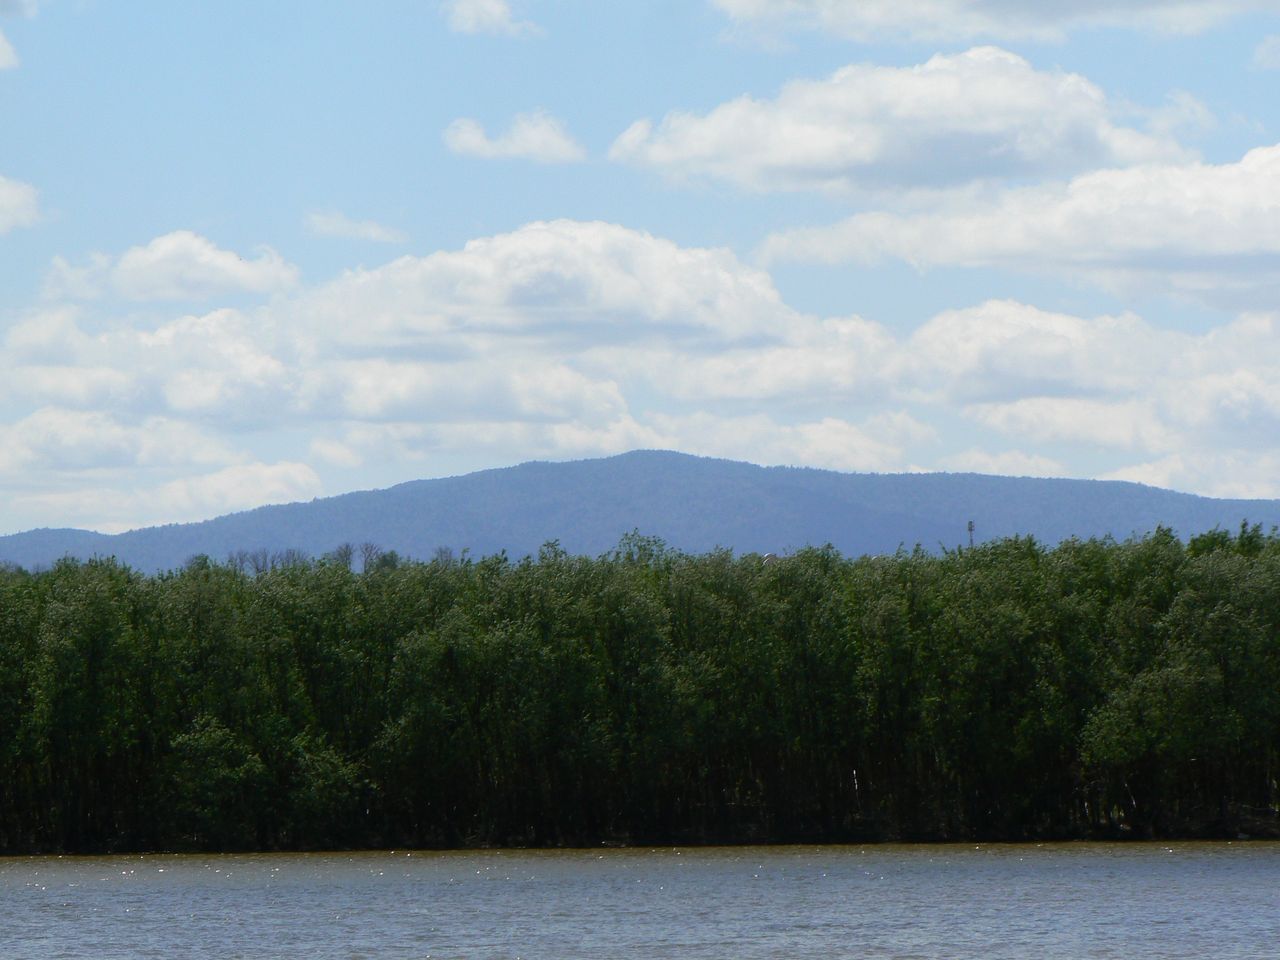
{"x": 1266, "y": 56}
{"x": 177, "y": 266}
{"x": 840, "y": 359}
{"x": 44, "y": 336}
{"x": 238, "y": 487}
{"x": 503, "y": 386}
{"x": 517, "y": 345}
{"x": 935, "y": 20}
{"x": 184, "y": 265}
{"x": 564, "y": 334}
{"x": 1234, "y": 473}
{"x": 19, "y": 205}
{"x": 553, "y": 340}
{"x": 496, "y": 441}
{"x": 980, "y": 115}
{"x": 190, "y": 497}
{"x": 8, "y": 56}
{"x": 830, "y": 442}
{"x": 65, "y": 280}
{"x": 569, "y": 339}
{"x": 1008, "y": 463}
{"x": 1003, "y": 350}
{"x": 545, "y": 285}
{"x": 67, "y": 439}
{"x": 1124, "y": 425}
{"x": 220, "y": 365}
{"x": 224, "y": 368}
{"x": 535, "y": 325}
{"x": 1181, "y": 114}
{"x": 80, "y": 386}
{"x": 335, "y": 452}
{"x": 95, "y": 441}
{"x": 1207, "y": 231}
{"x": 532, "y": 136}
{"x": 1107, "y": 383}
{"x": 555, "y": 321}
{"x": 485, "y": 16}
{"x": 333, "y": 224}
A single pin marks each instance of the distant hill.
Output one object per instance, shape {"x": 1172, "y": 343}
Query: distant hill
{"x": 693, "y": 503}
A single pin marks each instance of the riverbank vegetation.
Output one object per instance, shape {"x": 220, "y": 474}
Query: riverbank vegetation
{"x": 1010, "y": 691}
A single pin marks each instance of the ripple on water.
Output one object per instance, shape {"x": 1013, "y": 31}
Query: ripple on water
{"x": 991, "y": 901}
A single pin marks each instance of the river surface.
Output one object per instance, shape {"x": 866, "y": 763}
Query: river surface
{"x": 1030, "y": 902}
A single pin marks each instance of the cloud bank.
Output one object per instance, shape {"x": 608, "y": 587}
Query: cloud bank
{"x": 565, "y": 339}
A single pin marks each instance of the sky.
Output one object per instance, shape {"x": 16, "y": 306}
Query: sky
{"x": 263, "y": 252}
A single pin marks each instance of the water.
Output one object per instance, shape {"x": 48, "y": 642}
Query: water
{"x": 1029, "y": 902}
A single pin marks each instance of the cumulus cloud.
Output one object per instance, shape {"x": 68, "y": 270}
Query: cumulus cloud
{"x": 532, "y": 136}
{"x": 550, "y": 283}
{"x": 184, "y": 265}
{"x": 1003, "y": 350}
{"x": 220, "y": 365}
{"x": 936, "y": 20}
{"x": 224, "y": 368}
{"x": 1208, "y": 231}
{"x": 19, "y": 205}
{"x": 980, "y": 115}
{"x": 93, "y": 440}
{"x": 485, "y": 16}
{"x": 472, "y": 334}
{"x": 552, "y": 340}
{"x": 334, "y": 224}
{"x": 177, "y": 266}
{"x": 566, "y": 339}
{"x": 109, "y": 471}
{"x": 1109, "y": 383}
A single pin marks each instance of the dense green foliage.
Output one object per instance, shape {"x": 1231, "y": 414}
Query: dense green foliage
{"x": 1008, "y": 691}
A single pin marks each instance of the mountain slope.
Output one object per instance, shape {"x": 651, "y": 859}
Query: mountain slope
{"x": 691, "y": 502}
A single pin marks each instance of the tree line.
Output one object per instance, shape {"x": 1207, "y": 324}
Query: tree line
{"x": 1008, "y": 691}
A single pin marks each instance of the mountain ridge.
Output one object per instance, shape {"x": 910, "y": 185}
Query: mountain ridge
{"x": 692, "y": 503}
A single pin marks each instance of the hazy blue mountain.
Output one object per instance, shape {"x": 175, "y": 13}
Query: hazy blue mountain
{"x": 693, "y": 503}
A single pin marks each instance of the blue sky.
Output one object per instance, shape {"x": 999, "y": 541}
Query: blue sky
{"x": 254, "y": 253}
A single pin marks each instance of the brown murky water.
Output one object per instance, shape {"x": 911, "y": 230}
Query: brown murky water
{"x": 1182, "y": 900}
